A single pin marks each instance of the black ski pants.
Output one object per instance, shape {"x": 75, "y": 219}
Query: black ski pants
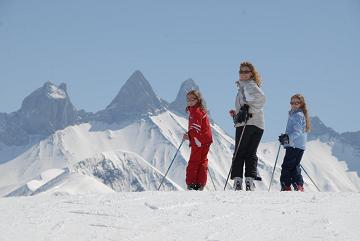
{"x": 290, "y": 169}
{"x": 247, "y": 151}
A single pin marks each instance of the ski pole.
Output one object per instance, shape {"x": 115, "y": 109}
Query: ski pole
{"x": 277, "y": 156}
{"x": 211, "y": 179}
{"x": 235, "y": 154}
{"x": 272, "y": 175}
{"x": 170, "y": 164}
{"x": 310, "y": 177}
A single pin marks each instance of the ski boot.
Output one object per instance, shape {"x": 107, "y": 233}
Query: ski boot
{"x": 285, "y": 188}
{"x": 237, "y": 184}
{"x": 298, "y": 187}
{"x": 249, "y": 183}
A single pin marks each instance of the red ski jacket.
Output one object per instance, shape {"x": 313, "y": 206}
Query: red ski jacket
{"x": 199, "y": 130}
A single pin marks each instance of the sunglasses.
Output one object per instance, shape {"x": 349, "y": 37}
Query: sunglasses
{"x": 190, "y": 100}
{"x": 244, "y": 71}
{"x": 295, "y": 103}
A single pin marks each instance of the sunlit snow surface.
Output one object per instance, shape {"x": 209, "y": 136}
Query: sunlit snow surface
{"x": 198, "y": 216}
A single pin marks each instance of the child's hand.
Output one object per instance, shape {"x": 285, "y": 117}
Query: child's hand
{"x": 186, "y": 136}
{"x": 232, "y": 113}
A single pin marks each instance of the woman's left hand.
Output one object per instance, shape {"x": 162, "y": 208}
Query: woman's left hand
{"x": 232, "y": 113}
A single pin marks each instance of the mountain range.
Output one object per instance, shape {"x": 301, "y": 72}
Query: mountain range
{"x": 128, "y": 146}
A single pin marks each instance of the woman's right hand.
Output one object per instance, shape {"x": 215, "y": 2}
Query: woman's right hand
{"x": 232, "y": 113}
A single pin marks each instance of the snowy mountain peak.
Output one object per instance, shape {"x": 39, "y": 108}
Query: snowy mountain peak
{"x": 47, "y": 109}
{"x": 190, "y": 83}
{"x": 44, "y": 111}
{"x": 63, "y": 87}
{"x": 137, "y": 76}
{"x": 320, "y": 131}
{"x": 344, "y": 146}
{"x": 54, "y": 92}
{"x": 136, "y": 98}
{"x": 179, "y": 104}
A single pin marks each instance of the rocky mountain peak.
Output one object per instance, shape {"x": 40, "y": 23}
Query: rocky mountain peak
{"x": 179, "y": 104}
{"x": 320, "y": 131}
{"x": 47, "y": 109}
{"x": 134, "y": 99}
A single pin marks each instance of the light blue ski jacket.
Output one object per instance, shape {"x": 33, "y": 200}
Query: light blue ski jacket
{"x": 296, "y": 129}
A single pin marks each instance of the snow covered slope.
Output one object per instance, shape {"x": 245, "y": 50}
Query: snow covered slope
{"x": 124, "y": 171}
{"x": 155, "y": 139}
{"x": 328, "y": 172}
{"x": 344, "y": 146}
{"x": 198, "y": 216}
{"x": 98, "y": 149}
{"x": 46, "y": 177}
{"x": 60, "y": 181}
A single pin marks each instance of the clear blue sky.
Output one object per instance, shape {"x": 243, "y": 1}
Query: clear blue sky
{"x": 307, "y": 46}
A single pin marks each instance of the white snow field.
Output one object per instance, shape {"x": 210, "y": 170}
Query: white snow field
{"x": 180, "y": 215}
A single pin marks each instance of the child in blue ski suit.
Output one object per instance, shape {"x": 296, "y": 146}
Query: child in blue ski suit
{"x": 294, "y": 141}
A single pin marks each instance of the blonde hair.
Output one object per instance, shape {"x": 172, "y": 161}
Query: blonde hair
{"x": 255, "y": 74}
{"x": 199, "y": 97}
{"x": 303, "y": 107}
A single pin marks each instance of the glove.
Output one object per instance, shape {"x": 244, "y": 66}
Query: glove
{"x": 242, "y": 115}
{"x": 284, "y": 139}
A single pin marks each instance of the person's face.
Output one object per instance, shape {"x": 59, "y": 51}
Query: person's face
{"x": 245, "y": 73}
{"x": 295, "y": 103}
{"x": 192, "y": 100}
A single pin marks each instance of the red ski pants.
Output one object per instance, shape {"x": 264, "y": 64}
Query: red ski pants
{"x": 196, "y": 171}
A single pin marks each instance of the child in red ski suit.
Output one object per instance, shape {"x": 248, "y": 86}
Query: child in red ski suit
{"x": 200, "y": 138}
